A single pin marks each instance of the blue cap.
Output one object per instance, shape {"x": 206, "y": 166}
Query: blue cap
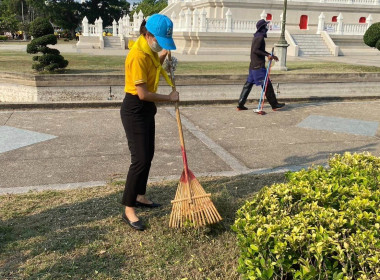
{"x": 162, "y": 28}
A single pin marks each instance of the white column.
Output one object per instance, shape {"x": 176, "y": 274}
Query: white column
{"x": 173, "y": 17}
{"x": 263, "y": 15}
{"x": 229, "y": 21}
{"x": 195, "y": 20}
{"x": 202, "y": 28}
{"x": 140, "y": 19}
{"x": 181, "y": 23}
{"x": 340, "y": 24}
{"x": 369, "y": 21}
{"x": 100, "y": 27}
{"x": 321, "y": 23}
{"x": 121, "y": 28}
{"x": 136, "y": 26}
{"x": 114, "y": 28}
{"x": 85, "y": 26}
{"x": 96, "y": 27}
{"x": 188, "y": 20}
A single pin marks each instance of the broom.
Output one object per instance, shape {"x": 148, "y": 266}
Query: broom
{"x": 259, "y": 109}
{"x": 191, "y": 205}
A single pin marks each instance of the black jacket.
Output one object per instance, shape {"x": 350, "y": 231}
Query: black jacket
{"x": 258, "y": 53}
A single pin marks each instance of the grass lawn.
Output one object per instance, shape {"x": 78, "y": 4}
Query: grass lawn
{"x": 11, "y": 61}
{"x": 78, "y": 234}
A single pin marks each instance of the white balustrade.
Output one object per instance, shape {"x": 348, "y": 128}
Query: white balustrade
{"x": 197, "y": 21}
{"x": 215, "y": 25}
{"x": 349, "y": 2}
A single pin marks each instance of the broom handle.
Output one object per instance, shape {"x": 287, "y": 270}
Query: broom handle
{"x": 179, "y": 123}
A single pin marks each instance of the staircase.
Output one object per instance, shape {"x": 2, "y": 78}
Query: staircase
{"x": 112, "y": 42}
{"x": 311, "y": 45}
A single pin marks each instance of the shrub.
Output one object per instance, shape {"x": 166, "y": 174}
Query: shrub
{"x": 40, "y": 27}
{"x": 322, "y": 224}
{"x": 51, "y": 59}
{"x": 3, "y": 38}
{"x": 372, "y": 36}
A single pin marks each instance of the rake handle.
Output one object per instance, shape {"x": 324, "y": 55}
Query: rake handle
{"x": 179, "y": 123}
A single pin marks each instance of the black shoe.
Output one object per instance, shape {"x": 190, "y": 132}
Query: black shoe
{"x": 135, "y": 225}
{"x": 151, "y": 205}
{"x": 241, "y": 108}
{"x": 278, "y": 106}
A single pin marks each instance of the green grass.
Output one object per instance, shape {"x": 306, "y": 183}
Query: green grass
{"x": 78, "y": 234}
{"x": 83, "y": 64}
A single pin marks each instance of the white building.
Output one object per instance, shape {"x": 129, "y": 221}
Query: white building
{"x": 313, "y": 27}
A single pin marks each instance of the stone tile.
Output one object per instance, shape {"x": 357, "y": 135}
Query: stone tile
{"x": 12, "y": 138}
{"x": 335, "y": 124}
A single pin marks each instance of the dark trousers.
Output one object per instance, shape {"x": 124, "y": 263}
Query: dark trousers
{"x": 137, "y": 117}
{"x": 270, "y": 95}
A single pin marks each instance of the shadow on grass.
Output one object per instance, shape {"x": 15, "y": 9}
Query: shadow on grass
{"x": 87, "y": 240}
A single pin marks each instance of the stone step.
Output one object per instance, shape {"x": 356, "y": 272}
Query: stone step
{"x": 311, "y": 45}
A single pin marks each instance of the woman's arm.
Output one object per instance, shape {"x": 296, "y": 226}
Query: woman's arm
{"x": 144, "y": 94}
{"x": 163, "y": 55}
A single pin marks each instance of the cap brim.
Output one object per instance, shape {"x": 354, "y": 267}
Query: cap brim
{"x": 166, "y": 43}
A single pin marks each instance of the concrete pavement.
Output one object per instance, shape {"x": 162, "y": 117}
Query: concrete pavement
{"x": 87, "y": 147}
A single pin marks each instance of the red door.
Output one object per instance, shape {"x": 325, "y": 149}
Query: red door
{"x": 303, "y": 22}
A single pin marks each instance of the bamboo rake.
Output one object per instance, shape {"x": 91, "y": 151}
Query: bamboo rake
{"x": 191, "y": 205}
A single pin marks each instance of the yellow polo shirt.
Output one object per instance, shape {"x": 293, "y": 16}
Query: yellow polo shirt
{"x": 139, "y": 69}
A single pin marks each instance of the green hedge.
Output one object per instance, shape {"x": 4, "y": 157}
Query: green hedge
{"x": 3, "y": 38}
{"x": 323, "y": 224}
{"x": 372, "y": 36}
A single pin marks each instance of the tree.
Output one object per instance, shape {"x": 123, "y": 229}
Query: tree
{"x": 43, "y": 33}
{"x": 108, "y": 10}
{"x": 8, "y": 23}
{"x": 372, "y": 36}
{"x": 150, "y": 7}
{"x": 65, "y": 14}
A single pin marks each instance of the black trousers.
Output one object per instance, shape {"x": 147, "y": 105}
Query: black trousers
{"x": 137, "y": 117}
{"x": 270, "y": 95}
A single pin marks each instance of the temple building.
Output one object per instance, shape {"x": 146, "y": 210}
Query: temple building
{"x": 313, "y": 27}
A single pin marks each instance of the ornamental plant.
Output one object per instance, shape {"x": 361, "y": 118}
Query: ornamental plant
{"x": 323, "y": 224}
{"x": 372, "y": 36}
{"x": 43, "y": 34}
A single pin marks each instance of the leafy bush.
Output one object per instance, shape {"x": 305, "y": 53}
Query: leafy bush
{"x": 322, "y": 224}
{"x": 51, "y": 59}
{"x": 372, "y": 36}
{"x": 40, "y": 27}
{"x": 3, "y": 38}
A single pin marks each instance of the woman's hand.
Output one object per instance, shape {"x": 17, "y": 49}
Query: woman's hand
{"x": 174, "y": 96}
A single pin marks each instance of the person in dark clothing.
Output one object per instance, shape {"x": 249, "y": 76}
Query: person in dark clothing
{"x": 257, "y": 68}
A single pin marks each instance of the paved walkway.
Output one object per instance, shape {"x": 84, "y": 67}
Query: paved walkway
{"x": 60, "y": 149}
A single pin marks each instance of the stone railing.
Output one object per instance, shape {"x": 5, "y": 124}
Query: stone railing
{"x": 353, "y": 2}
{"x": 341, "y": 28}
{"x": 95, "y": 29}
{"x": 186, "y": 21}
{"x": 197, "y": 21}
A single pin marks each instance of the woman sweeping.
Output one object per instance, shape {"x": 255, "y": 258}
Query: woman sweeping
{"x": 142, "y": 73}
